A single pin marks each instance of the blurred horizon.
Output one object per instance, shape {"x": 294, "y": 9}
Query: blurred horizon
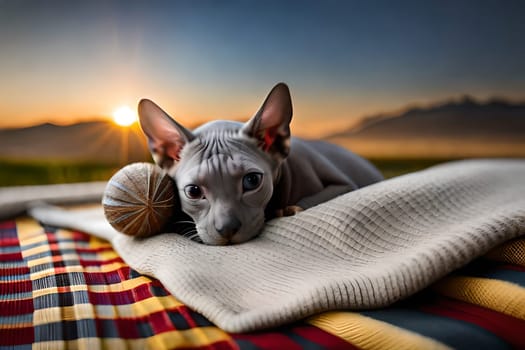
{"x": 64, "y": 62}
{"x": 300, "y": 130}
{"x": 463, "y": 127}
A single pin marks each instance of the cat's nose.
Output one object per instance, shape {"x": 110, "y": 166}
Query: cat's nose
{"x": 228, "y": 228}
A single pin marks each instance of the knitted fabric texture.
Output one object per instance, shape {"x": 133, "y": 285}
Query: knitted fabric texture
{"x": 365, "y": 249}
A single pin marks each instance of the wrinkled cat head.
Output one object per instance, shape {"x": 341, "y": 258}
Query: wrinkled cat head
{"x": 224, "y": 170}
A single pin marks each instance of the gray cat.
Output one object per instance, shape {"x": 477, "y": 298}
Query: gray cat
{"x": 231, "y": 176}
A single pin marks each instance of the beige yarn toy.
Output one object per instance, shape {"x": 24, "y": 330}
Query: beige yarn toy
{"x": 140, "y": 199}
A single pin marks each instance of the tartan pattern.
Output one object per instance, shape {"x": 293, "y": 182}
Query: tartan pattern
{"x": 66, "y": 289}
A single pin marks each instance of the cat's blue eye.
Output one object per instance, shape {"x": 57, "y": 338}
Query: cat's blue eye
{"x": 251, "y": 181}
{"x": 193, "y": 192}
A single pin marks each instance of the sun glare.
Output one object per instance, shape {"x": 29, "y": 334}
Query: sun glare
{"x": 124, "y": 116}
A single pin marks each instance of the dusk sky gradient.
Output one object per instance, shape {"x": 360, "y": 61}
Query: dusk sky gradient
{"x": 64, "y": 61}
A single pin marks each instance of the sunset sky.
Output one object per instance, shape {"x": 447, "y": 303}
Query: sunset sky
{"x": 65, "y": 61}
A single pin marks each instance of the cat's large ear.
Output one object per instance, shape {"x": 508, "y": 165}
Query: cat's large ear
{"x": 271, "y": 124}
{"x": 166, "y": 137}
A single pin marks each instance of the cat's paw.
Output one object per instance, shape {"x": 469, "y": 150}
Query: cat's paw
{"x": 290, "y": 210}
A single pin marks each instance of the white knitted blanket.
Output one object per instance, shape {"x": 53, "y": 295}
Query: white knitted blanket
{"x": 365, "y": 249}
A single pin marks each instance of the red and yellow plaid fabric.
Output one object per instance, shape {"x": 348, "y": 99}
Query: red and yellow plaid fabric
{"x": 66, "y": 289}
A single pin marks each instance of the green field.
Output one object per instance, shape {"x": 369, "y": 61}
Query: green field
{"x": 17, "y": 173}
{"x": 395, "y": 167}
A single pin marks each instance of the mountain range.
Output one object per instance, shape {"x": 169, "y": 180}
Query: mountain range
{"x": 452, "y": 129}
{"x": 94, "y": 142}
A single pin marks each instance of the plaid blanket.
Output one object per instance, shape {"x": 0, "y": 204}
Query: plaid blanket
{"x": 66, "y": 289}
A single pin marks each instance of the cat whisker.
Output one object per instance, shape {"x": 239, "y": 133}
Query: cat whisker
{"x": 190, "y": 222}
{"x": 192, "y": 235}
{"x": 196, "y": 238}
{"x": 188, "y": 231}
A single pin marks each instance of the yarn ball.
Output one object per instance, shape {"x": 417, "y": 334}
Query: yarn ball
{"x": 139, "y": 200}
